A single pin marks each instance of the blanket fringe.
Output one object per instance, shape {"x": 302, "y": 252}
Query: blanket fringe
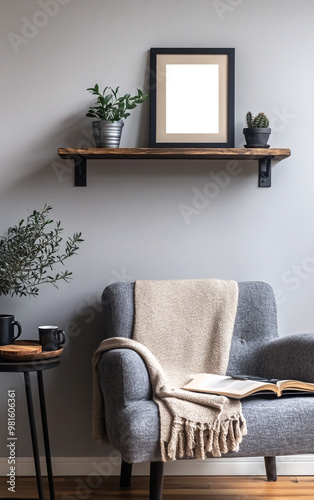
{"x": 197, "y": 440}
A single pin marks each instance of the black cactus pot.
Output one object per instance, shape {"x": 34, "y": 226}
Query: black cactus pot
{"x": 256, "y": 137}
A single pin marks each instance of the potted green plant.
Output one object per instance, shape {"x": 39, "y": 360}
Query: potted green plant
{"x": 29, "y": 253}
{"x": 110, "y": 110}
{"x": 257, "y": 132}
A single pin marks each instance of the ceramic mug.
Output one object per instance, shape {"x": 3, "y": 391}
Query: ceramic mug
{"x": 7, "y": 325}
{"x": 50, "y": 337}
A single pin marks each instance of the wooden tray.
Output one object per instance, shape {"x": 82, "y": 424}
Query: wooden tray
{"x": 19, "y": 350}
{"x": 22, "y": 356}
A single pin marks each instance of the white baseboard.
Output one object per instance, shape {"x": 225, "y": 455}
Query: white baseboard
{"x": 301, "y": 465}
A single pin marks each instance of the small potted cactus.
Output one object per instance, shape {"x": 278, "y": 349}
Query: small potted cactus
{"x": 257, "y": 132}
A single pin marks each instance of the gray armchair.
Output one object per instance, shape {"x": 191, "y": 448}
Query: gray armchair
{"x": 276, "y": 426}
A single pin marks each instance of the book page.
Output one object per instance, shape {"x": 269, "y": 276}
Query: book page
{"x": 295, "y": 385}
{"x": 228, "y": 386}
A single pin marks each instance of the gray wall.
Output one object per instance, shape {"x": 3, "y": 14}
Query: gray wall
{"x": 129, "y": 213}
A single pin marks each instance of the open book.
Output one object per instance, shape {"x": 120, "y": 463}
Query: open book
{"x": 241, "y": 386}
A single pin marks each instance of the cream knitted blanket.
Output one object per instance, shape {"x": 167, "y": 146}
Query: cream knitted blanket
{"x": 182, "y": 328}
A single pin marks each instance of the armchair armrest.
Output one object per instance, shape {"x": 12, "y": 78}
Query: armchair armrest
{"x": 131, "y": 416}
{"x": 290, "y": 357}
{"x": 123, "y": 377}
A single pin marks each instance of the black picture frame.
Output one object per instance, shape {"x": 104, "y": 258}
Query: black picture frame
{"x": 220, "y": 62}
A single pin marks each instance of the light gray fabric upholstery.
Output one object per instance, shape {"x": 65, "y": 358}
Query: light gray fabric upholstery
{"x": 132, "y": 420}
{"x": 255, "y": 325}
{"x": 118, "y": 302}
{"x": 276, "y": 426}
{"x": 289, "y": 358}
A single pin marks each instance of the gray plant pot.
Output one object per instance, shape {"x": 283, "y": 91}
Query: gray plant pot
{"x": 256, "y": 137}
{"x": 107, "y": 134}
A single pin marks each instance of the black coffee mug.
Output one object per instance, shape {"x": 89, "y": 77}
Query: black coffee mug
{"x": 7, "y": 325}
{"x": 50, "y": 337}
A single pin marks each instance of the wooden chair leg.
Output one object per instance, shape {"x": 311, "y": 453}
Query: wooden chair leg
{"x": 271, "y": 470}
{"x": 156, "y": 480}
{"x": 125, "y": 474}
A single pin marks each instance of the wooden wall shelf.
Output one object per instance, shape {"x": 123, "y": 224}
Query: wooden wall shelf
{"x": 264, "y": 157}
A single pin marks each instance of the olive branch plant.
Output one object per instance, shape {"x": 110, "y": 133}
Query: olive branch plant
{"x": 29, "y": 253}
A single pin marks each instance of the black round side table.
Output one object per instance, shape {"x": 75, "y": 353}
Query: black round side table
{"x": 37, "y": 366}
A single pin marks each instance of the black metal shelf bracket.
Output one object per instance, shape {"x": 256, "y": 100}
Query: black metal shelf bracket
{"x": 80, "y": 175}
{"x": 264, "y": 171}
{"x": 80, "y": 170}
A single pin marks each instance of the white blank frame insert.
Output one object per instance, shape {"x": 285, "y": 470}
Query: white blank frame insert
{"x": 201, "y": 114}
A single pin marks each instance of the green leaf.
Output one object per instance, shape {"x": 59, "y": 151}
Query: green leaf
{"x": 131, "y": 106}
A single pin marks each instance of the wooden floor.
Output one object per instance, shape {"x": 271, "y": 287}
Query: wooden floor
{"x": 175, "y": 488}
